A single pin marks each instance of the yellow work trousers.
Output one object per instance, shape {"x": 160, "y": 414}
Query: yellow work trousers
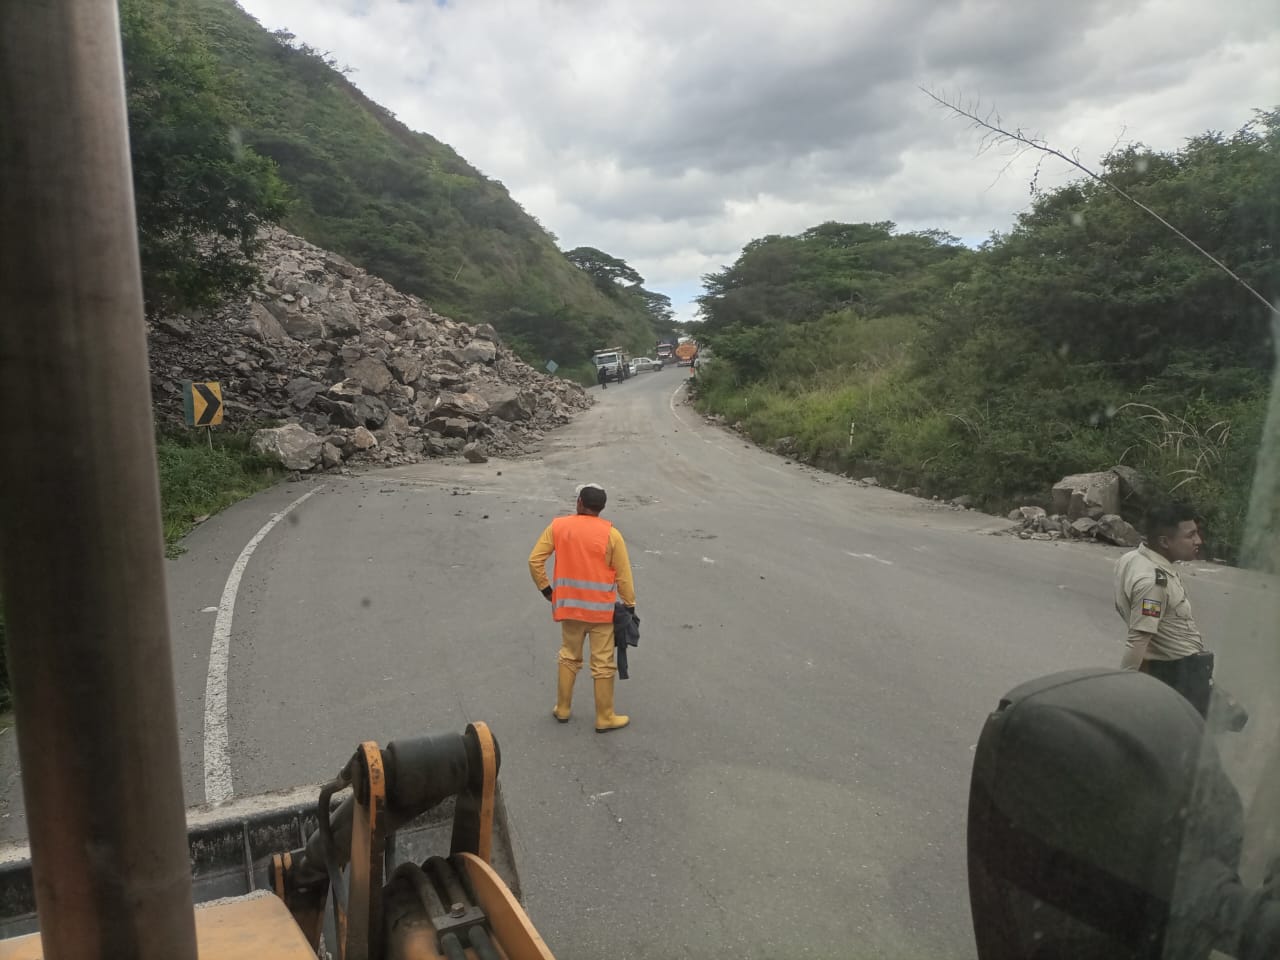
{"x": 572, "y": 634}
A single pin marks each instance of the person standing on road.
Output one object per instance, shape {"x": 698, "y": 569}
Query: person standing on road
{"x": 1163, "y": 639}
{"x": 602, "y": 376}
{"x": 592, "y": 571}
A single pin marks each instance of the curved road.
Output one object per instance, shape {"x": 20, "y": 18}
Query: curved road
{"x": 816, "y": 662}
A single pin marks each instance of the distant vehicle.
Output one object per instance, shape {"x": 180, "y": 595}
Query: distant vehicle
{"x": 686, "y": 352}
{"x": 645, "y": 365}
{"x": 615, "y": 362}
{"x": 666, "y": 350}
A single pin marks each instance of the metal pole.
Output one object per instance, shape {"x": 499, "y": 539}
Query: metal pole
{"x": 80, "y": 534}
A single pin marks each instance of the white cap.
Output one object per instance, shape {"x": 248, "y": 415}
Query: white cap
{"x": 584, "y": 486}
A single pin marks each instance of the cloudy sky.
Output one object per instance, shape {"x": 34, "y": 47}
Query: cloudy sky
{"x": 671, "y": 132}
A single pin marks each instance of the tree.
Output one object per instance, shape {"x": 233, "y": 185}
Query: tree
{"x": 200, "y": 194}
{"x": 657, "y": 307}
{"x": 607, "y": 271}
{"x": 864, "y": 267}
{"x": 1115, "y": 167}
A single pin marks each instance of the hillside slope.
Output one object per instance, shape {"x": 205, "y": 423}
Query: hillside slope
{"x": 400, "y": 203}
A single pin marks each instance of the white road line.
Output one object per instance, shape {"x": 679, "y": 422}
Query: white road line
{"x": 719, "y": 446}
{"x": 676, "y": 413}
{"x": 217, "y": 759}
{"x": 870, "y": 556}
{"x": 672, "y": 402}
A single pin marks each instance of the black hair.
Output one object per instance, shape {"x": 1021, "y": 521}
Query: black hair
{"x": 593, "y": 498}
{"x": 1163, "y": 519}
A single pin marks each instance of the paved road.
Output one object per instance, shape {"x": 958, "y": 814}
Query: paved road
{"x": 816, "y": 662}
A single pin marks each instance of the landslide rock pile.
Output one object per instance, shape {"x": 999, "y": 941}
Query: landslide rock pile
{"x": 1086, "y": 506}
{"x": 357, "y": 370}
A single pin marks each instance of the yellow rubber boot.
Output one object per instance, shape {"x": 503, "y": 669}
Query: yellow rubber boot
{"x": 564, "y": 692}
{"x": 606, "y": 719}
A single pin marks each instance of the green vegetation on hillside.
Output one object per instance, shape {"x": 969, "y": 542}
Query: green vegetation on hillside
{"x": 1088, "y": 335}
{"x": 199, "y": 193}
{"x": 399, "y": 203}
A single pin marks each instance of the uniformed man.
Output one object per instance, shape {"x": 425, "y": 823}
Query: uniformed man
{"x": 592, "y": 571}
{"x": 1163, "y": 639}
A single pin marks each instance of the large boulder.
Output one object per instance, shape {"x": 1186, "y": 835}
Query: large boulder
{"x": 347, "y": 390}
{"x": 342, "y": 413}
{"x": 1028, "y": 514}
{"x": 341, "y": 318}
{"x": 447, "y": 377}
{"x": 506, "y": 402}
{"x": 1083, "y": 527}
{"x": 372, "y": 374}
{"x": 1091, "y": 495}
{"x": 1114, "y": 529}
{"x": 450, "y": 426}
{"x": 407, "y": 369}
{"x": 341, "y": 266}
{"x": 302, "y": 391}
{"x": 417, "y": 331}
{"x": 362, "y": 439}
{"x": 465, "y": 404}
{"x": 330, "y": 455}
{"x": 473, "y": 453}
{"x": 263, "y": 325}
{"x": 477, "y": 351}
{"x": 371, "y": 411}
{"x": 1135, "y": 487}
{"x": 397, "y": 425}
{"x": 316, "y": 293}
{"x": 303, "y": 326}
{"x": 292, "y": 446}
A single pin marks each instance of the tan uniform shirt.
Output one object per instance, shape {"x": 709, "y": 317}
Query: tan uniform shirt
{"x": 1151, "y": 599}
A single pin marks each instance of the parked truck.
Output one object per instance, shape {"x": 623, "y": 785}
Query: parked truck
{"x": 686, "y": 352}
{"x": 614, "y": 361}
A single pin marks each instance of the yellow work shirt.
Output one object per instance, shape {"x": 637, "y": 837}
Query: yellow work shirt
{"x": 615, "y": 555}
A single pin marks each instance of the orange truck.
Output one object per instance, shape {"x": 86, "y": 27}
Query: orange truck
{"x": 686, "y": 352}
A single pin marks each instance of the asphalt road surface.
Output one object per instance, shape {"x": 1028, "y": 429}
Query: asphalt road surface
{"x": 816, "y": 661}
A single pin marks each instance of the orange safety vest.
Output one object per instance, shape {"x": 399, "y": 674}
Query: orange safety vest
{"x": 585, "y": 586}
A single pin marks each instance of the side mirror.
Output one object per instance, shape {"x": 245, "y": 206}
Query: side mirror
{"x": 1102, "y": 825}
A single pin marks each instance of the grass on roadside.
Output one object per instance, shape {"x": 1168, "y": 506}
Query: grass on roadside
{"x": 197, "y": 481}
{"x": 583, "y": 374}
{"x": 898, "y": 424}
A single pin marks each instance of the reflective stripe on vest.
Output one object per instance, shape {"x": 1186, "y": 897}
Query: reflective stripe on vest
{"x": 584, "y": 585}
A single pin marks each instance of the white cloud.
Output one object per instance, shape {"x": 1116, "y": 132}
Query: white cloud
{"x": 671, "y": 133}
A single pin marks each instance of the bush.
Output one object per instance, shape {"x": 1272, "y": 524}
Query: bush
{"x": 196, "y": 481}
